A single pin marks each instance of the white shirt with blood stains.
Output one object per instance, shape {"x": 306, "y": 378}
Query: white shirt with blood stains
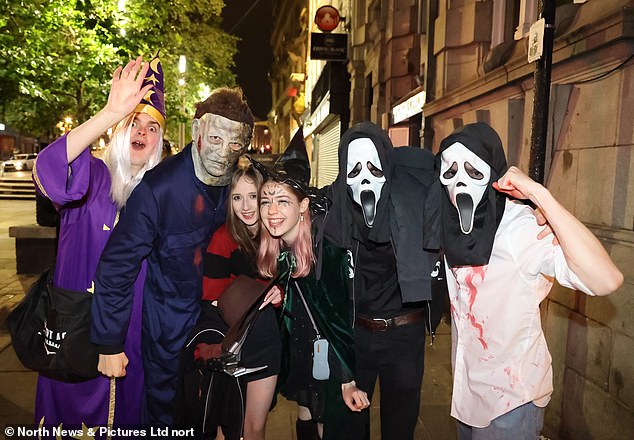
{"x": 499, "y": 354}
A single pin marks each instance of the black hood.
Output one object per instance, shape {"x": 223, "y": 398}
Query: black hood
{"x": 342, "y": 223}
{"x": 474, "y": 249}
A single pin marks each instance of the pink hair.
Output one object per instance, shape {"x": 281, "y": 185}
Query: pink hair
{"x": 302, "y": 248}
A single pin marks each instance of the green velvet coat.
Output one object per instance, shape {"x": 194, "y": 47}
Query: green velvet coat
{"x": 329, "y": 301}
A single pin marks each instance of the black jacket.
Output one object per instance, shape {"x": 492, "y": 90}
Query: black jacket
{"x": 405, "y": 214}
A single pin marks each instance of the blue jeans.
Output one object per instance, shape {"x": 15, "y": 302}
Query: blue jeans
{"x": 523, "y": 423}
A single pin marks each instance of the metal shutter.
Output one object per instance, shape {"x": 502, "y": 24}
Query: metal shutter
{"x": 327, "y": 153}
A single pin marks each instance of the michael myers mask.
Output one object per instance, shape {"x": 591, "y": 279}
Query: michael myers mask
{"x": 365, "y": 176}
{"x": 218, "y": 141}
{"x": 465, "y": 177}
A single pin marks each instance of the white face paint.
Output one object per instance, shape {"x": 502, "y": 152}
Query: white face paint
{"x": 365, "y": 176}
{"x": 465, "y": 177}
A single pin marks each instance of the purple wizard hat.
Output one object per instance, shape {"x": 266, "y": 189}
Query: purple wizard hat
{"x": 153, "y": 103}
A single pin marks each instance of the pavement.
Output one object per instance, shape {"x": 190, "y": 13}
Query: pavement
{"x": 17, "y": 384}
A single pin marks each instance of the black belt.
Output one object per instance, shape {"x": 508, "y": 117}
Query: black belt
{"x": 383, "y": 324}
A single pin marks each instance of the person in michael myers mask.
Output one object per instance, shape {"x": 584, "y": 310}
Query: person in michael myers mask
{"x": 168, "y": 220}
{"x": 499, "y": 270}
{"x": 377, "y": 214}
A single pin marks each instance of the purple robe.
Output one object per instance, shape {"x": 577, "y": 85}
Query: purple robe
{"x": 87, "y": 216}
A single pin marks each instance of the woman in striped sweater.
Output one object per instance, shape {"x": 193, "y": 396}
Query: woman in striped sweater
{"x": 232, "y": 251}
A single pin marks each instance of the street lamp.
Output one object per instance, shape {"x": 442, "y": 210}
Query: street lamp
{"x": 182, "y": 68}
{"x": 124, "y": 20}
{"x": 203, "y": 91}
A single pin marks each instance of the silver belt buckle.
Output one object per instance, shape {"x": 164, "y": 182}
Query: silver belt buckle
{"x": 382, "y": 320}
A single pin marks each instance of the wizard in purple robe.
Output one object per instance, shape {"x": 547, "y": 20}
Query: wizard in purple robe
{"x": 88, "y": 194}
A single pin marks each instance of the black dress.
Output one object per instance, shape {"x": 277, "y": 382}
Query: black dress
{"x": 328, "y": 299}
{"x": 300, "y": 386}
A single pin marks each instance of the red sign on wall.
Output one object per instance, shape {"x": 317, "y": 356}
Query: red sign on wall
{"x": 327, "y": 18}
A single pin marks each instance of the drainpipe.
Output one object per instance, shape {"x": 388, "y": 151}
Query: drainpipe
{"x": 543, "y": 67}
{"x": 430, "y": 72}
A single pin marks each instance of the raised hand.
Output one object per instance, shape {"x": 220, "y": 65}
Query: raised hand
{"x": 126, "y": 91}
{"x": 584, "y": 254}
{"x": 516, "y": 184}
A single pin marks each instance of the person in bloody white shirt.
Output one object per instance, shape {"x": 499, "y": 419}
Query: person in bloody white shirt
{"x": 501, "y": 265}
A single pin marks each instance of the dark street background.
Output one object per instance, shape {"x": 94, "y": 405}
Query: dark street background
{"x": 252, "y": 21}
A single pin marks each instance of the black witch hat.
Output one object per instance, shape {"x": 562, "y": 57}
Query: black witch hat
{"x": 293, "y": 169}
{"x": 294, "y": 160}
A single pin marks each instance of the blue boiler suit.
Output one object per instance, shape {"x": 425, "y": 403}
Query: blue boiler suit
{"x": 168, "y": 220}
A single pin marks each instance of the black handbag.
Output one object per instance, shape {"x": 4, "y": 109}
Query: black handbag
{"x": 206, "y": 398}
{"x": 50, "y": 332}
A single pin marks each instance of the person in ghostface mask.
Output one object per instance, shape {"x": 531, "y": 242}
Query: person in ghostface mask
{"x": 500, "y": 267}
{"x": 168, "y": 220}
{"x": 365, "y": 177}
{"x": 377, "y": 214}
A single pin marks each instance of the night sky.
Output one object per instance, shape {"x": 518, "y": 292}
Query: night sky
{"x": 253, "y": 60}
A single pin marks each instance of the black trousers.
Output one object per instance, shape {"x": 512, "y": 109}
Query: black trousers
{"x": 396, "y": 357}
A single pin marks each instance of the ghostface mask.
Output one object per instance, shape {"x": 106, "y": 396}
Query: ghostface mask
{"x": 365, "y": 176}
{"x": 465, "y": 177}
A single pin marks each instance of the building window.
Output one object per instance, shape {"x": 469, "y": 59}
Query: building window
{"x": 360, "y": 13}
{"x": 504, "y": 21}
{"x": 421, "y": 25}
{"x": 503, "y": 24}
{"x": 527, "y": 16}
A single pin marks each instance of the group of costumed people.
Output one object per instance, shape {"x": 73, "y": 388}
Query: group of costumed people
{"x": 360, "y": 272}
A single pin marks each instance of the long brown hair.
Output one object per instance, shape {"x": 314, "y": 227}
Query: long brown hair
{"x": 236, "y": 227}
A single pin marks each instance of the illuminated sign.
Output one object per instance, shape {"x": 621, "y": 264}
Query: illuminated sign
{"x": 410, "y": 107}
{"x": 332, "y": 47}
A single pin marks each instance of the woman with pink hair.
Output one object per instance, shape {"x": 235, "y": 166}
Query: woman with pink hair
{"x": 318, "y": 353}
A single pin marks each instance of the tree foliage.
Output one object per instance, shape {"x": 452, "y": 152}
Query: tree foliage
{"x": 57, "y": 56}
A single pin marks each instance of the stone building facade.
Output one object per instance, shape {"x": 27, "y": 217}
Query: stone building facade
{"x": 421, "y": 68}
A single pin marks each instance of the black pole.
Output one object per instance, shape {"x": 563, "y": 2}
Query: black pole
{"x": 430, "y": 72}
{"x": 543, "y": 66}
